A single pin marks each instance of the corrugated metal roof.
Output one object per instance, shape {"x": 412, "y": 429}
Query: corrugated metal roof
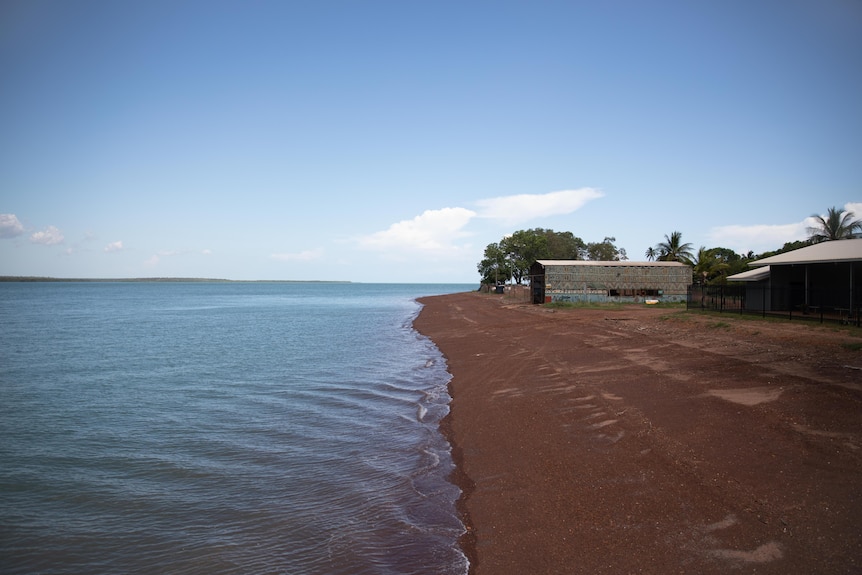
{"x": 600, "y": 263}
{"x": 754, "y": 275}
{"x": 824, "y": 252}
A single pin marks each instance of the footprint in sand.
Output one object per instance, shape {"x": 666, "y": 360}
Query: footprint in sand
{"x": 765, "y": 553}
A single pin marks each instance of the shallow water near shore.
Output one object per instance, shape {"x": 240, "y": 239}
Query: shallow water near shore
{"x": 223, "y": 428}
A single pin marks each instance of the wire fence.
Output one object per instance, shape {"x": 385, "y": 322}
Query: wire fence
{"x": 516, "y": 293}
{"x": 791, "y": 303}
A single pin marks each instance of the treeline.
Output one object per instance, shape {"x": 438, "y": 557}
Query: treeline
{"x": 512, "y": 257}
{"x": 714, "y": 265}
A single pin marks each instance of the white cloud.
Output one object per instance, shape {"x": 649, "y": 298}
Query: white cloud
{"x": 10, "y": 227}
{"x": 856, "y": 208}
{"x": 435, "y": 231}
{"x": 524, "y": 207}
{"x": 762, "y": 237}
{"x": 304, "y": 256}
{"x": 50, "y": 237}
{"x": 114, "y": 247}
{"x": 156, "y": 258}
{"x": 432, "y": 231}
{"x": 759, "y": 238}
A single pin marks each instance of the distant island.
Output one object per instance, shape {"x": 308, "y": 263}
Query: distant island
{"x": 162, "y": 280}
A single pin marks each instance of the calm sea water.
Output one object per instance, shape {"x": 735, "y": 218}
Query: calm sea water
{"x": 222, "y": 428}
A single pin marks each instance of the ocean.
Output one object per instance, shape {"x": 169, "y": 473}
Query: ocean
{"x": 197, "y": 427}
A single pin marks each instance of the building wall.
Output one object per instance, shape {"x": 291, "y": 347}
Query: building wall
{"x": 826, "y": 286}
{"x": 599, "y": 283}
{"x": 758, "y": 296}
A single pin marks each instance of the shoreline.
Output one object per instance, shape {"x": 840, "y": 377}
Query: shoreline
{"x": 621, "y": 441}
{"x": 467, "y": 540}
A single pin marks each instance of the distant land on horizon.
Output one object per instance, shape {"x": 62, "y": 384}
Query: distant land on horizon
{"x": 158, "y": 279}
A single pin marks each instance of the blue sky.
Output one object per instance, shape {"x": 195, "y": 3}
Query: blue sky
{"x": 392, "y": 141}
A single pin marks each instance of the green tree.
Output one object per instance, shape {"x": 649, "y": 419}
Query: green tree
{"x": 651, "y": 254}
{"x": 735, "y": 263}
{"x": 563, "y": 245}
{"x": 515, "y": 254}
{"x": 709, "y": 265}
{"x": 494, "y": 267}
{"x": 605, "y": 251}
{"x": 522, "y": 249}
{"x": 673, "y": 250}
{"x": 787, "y": 247}
{"x": 835, "y": 225}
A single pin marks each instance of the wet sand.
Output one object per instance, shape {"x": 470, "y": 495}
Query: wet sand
{"x": 643, "y": 440}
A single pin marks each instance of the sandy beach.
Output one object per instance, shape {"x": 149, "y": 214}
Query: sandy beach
{"x": 647, "y": 440}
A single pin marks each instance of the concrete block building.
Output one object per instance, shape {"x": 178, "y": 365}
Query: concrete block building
{"x": 596, "y": 281}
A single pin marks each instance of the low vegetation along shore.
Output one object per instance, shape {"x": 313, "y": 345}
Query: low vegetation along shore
{"x": 644, "y": 440}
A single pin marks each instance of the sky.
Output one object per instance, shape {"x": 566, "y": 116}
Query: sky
{"x": 392, "y": 141}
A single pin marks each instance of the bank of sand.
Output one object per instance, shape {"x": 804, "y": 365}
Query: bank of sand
{"x": 644, "y": 440}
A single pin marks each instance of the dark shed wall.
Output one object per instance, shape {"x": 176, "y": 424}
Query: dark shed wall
{"x": 826, "y": 284}
{"x": 832, "y": 286}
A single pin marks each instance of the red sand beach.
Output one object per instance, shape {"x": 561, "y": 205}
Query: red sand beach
{"x": 642, "y": 440}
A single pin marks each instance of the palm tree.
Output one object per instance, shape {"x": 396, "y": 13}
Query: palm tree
{"x": 708, "y": 265}
{"x": 836, "y": 225}
{"x": 673, "y": 250}
{"x": 651, "y": 254}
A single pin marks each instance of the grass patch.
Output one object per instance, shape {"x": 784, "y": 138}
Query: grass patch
{"x": 670, "y": 306}
{"x": 855, "y": 346}
{"x": 718, "y": 325}
{"x": 751, "y": 320}
{"x": 612, "y": 305}
{"x": 679, "y": 315}
{"x": 731, "y": 316}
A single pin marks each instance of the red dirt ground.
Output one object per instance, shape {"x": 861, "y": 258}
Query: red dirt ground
{"x": 647, "y": 440}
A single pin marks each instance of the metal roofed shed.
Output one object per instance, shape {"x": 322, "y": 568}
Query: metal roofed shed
{"x": 824, "y": 279}
{"x": 755, "y": 275}
{"x": 833, "y": 251}
{"x": 611, "y": 281}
